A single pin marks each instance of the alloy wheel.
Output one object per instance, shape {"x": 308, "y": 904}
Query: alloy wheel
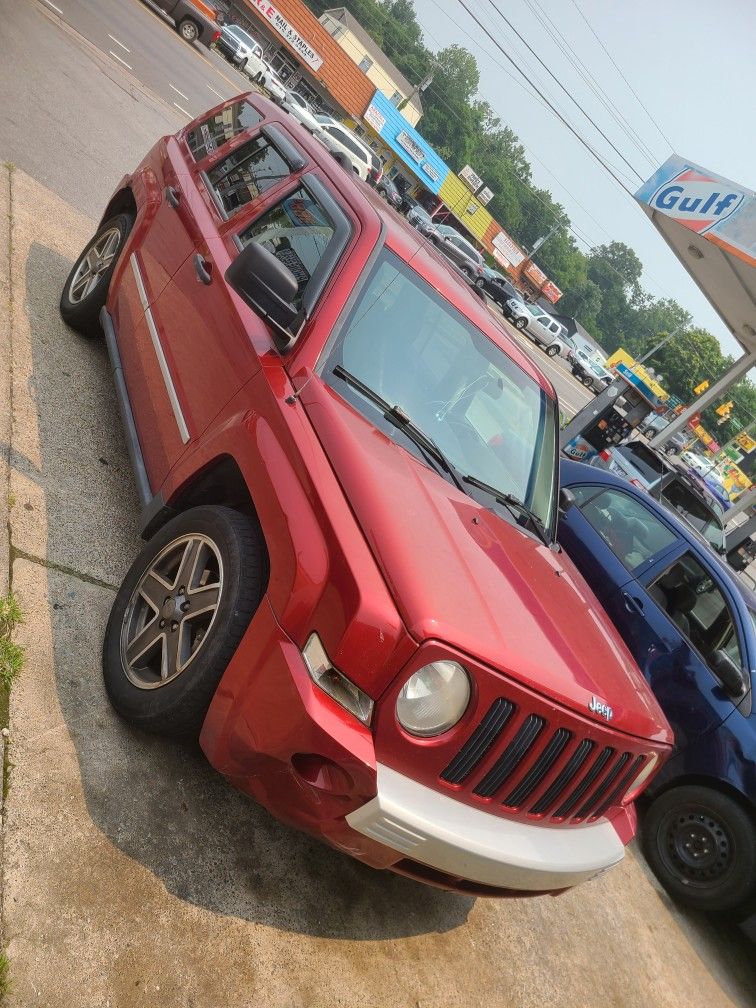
{"x": 171, "y": 611}
{"x": 94, "y": 264}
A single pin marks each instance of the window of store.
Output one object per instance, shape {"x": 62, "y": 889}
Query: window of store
{"x": 396, "y": 98}
{"x": 365, "y": 64}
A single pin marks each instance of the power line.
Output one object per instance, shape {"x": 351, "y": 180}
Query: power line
{"x": 637, "y": 97}
{"x": 584, "y": 72}
{"x": 556, "y": 80}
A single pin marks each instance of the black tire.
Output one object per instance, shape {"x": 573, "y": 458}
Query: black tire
{"x": 188, "y": 30}
{"x": 552, "y": 351}
{"x": 178, "y": 706}
{"x": 382, "y": 193}
{"x": 720, "y": 831}
{"x": 480, "y": 282}
{"x": 258, "y": 77}
{"x": 521, "y": 323}
{"x": 84, "y": 315}
{"x": 242, "y": 64}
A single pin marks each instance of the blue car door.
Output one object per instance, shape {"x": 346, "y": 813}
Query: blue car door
{"x": 613, "y": 539}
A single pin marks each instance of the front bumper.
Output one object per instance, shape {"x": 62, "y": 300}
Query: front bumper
{"x": 276, "y": 736}
{"x": 464, "y": 842}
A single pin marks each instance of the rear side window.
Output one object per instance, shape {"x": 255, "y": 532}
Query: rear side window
{"x": 638, "y": 455}
{"x": 297, "y": 231}
{"x": 632, "y": 532}
{"x": 246, "y": 174}
{"x": 695, "y": 512}
{"x": 345, "y": 139}
{"x": 219, "y": 129}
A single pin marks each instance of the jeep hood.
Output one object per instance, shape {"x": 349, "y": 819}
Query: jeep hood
{"x": 460, "y": 574}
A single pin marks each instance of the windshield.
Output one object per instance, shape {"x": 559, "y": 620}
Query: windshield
{"x": 694, "y": 512}
{"x": 491, "y": 420}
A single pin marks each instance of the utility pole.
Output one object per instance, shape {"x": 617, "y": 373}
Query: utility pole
{"x": 658, "y": 346}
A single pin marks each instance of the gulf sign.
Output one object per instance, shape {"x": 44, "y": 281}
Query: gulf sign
{"x": 698, "y": 201}
{"x": 704, "y": 202}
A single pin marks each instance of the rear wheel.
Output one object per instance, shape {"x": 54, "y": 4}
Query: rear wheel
{"x": 86, "y": 289}
{"x": 242, "y": 64}
{"x": 179, "y": 616}
{"x": 701, "y": 845}
{"x": 552, "y": 350}
{"x": 480, "y": 282}
{"x": 382, "y": 194}
{"x": 188, "y": 30}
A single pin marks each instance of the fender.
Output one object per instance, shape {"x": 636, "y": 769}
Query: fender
{"x": 322, "y": 573}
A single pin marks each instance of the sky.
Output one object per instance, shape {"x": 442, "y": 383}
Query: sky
{"x": 689, "y": 61}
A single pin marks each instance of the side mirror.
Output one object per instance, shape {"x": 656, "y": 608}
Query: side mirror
{"x": 566, "y": 500}
{"x": 729, "y": 674}
{"x": 268, "y": 286}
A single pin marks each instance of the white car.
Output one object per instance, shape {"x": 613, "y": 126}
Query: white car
{"x": 536, "y": 324}
{"x": 699, "y": 463}
{"x": 303, "y": 111}
{"x": 269, "y": 79}
{"x": 339, "y": 138}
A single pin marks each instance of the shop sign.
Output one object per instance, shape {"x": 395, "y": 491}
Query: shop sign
{"x": 485, "y": 196}
{"x": 374, "y": 118}
{"x": 407, "y": 143}
{"x": 279, "y": 23}
{"x": 472, "y": 178}
{"x": 511, "y": 252}
{"x": 431, "y": 172}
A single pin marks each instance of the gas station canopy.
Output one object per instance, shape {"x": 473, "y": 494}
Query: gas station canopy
{"x": 710, "y": 224}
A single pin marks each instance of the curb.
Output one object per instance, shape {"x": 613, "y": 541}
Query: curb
{"x": 6, "y": 351}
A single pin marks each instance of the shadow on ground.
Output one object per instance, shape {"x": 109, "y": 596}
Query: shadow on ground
{"x": 160, "y": 802}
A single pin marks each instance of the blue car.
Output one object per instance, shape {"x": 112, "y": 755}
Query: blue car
{"x": 690, "y": 625}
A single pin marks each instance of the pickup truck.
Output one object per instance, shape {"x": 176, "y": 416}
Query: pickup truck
{"x": 194, "y": 20}
{"x": 350, "y": 586}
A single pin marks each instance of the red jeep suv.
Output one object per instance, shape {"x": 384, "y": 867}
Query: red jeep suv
{"x": 350, "y": 585}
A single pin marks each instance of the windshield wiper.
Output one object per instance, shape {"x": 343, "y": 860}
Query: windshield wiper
{"x": 514, "y": 503}
{"x": 397, "y": 416}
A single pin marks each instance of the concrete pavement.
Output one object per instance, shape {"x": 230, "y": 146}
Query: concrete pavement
{"x": 134, "y": 876}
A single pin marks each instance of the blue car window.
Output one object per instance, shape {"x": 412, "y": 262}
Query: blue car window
{"x": 632, "y": 532}
{"x": 694, "y": 602}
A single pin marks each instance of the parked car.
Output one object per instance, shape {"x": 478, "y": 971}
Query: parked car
{"x": 419, "y": 218}
{"x": 343, "y": 139}
{"x": 499, "y": 289}
{"x": 540, "y": 327}
{"x": 648, "y": 470}
{"x": 194, "y": 20}
{"x": 676, "y": 443}
{"x": 375, "y": 172}
{"x": 459, "y": 250}
{"x": 241, "y": 49}
{"x": 291, "y": 361}
{"x": 689, "y": 623}
{"x": 301, "y": 109}
{"x": 273, "y": 84}
{"x": 388, "y": 191}
{"x": 589, "y": 371}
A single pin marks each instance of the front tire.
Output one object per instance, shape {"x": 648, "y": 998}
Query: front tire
{"x": 188, "y": 30}
{"x": 86, "y": 288}
{"x": 552, "y": 351}
{"x": 179, "y": 616}
{"x": 520, "y": 324}
{"x": 701, "y": 845}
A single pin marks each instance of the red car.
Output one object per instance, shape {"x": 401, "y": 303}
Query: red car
{"x": 350, "y": 586}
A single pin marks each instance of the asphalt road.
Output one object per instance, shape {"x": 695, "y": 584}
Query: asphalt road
{"x": 133, "y": 875}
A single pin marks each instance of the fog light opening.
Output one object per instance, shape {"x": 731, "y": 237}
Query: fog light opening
{"x": 322, "y": 773}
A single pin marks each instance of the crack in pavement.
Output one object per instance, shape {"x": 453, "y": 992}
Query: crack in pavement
{"x": 18, "y": 554}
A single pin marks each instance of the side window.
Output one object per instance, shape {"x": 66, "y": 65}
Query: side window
{"x": 632, "y": 532}
{"x": 246, "y": 174}
{"x": 696, "y": 605}
{"x": 350, "y": 144}
{"x": 219, "y": 129}
{"x": 297, "y": 231}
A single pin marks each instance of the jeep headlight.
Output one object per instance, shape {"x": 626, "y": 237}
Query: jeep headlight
{"x": 433, "y": 699}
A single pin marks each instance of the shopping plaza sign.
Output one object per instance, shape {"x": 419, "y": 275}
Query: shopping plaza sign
{"x": 279, "y": 23}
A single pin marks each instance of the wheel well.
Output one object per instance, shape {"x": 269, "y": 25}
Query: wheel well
{"x": 122, "y": 202}
{"x": 220, "y": 483}
{"x": 714, "y": 784}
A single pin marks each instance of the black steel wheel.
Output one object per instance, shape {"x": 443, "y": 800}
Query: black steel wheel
{"x": 521, "y": 323}
{"x": 701, "y": 845}
{"x": 178, "y": 617}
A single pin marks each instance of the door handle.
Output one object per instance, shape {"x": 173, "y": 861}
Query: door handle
{"x": 632, "y": 604}
{"x": 173, "y": 196}
{"x": 203, "y": 268}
